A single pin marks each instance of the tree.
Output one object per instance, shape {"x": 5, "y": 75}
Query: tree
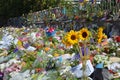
{"x": 15, "y": 8}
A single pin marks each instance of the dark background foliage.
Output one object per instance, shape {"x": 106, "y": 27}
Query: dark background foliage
{"x": 16, "y": 8}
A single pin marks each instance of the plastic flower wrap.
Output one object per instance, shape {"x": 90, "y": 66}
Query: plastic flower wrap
{"x": 50, "y": 55}
{"x": 7, "y": 41}
{"x": 20, "y": 76}
{"x": 50, "y": 32}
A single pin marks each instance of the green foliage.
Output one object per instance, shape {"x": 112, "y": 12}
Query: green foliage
{"x": 15, "y": 8}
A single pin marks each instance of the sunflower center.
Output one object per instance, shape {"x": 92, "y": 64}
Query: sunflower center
{"x": 84, "y": 34}
{"x": 73, "y": 37}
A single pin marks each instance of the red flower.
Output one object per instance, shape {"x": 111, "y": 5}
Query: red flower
{"x": 118, "y": 38}
{"x": 50, "y": 29}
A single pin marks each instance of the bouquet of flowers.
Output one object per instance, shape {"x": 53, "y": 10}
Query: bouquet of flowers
{"x": 101, "y": 59}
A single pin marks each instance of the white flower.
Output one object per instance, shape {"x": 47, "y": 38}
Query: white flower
{"x": 65, "y": 70}
{"x": 101, "y": 59}
{"x": 49, "y": 55}
{"x": 2, "y": 66}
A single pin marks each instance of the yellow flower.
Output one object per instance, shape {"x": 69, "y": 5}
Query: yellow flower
{"x": 99, "y": 40}
{"x": 100, "y": 34}
{"x": 66, "y": 43}
{"x": 98, "y": 49}
{"x": 19, "y": 43}
{"x": 84, "y": 34}
{"x": 100, "y": 29}
{"x": 100, "y": 13}
{"x": 71, "y": 37}
{"x": 104, "y": 36}
{"x": 56, "y": 54}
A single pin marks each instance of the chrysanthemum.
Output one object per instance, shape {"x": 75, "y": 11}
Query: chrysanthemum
{"x": 72, "y": 37}
{"x": 84, "y": 34}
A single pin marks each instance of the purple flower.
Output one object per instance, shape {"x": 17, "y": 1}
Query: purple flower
{"x": 83, "y": 51}
{"x": 92, "y": 40}
{"x": 15, "y": 50}
{"x": 39, "y": 58}
{"x": 77, "y": 56}
{"x": 26, "y": 45}
{"x": 104, "y": 18}
{"x": 1, "y": 75}
{"x": 25, "y": 30}
{"x": 92, "y": 1}
{"x": 89, "y": 26}
{"x": 81, "y": 1}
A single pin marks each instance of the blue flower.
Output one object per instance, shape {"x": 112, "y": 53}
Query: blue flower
{"x": 50, "y": 34}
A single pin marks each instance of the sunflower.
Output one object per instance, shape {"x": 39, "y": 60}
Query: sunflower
{"x": 84, "y": 34}
{"x": 100, "y": 34}
{"x": 72, "y": 37}
{"x": 66, "y": 43}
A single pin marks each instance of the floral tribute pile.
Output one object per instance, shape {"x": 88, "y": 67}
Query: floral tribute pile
{"x": 53, "y": 54}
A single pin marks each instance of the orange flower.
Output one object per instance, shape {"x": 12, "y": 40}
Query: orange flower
{"x": 58, "y": 33}
{"x": 104, "y": 43}
{"x": 50, "y": 39}
{"x": 76, "y": 17}
{"x": 23, "y": 64}
{"x": 46, "y": 49}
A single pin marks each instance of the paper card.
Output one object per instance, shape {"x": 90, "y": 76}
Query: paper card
{"x": 90, "y": 68}
{"x": 33, "y": 36}
{"x": 30, "y": 48}
{"x": 15, "y": 41}
{"x": 66, "y": 56}
{"x": 1, "y": 42}
{"x": 78, "y": 72}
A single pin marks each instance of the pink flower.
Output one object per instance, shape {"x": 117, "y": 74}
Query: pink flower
{"x": 50, "y": 29}
{"x": 14, "y": 67}
{"x": 38, "y": 34}
{"x": 23, "y": 39}
{"x": 58, "y": 38}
